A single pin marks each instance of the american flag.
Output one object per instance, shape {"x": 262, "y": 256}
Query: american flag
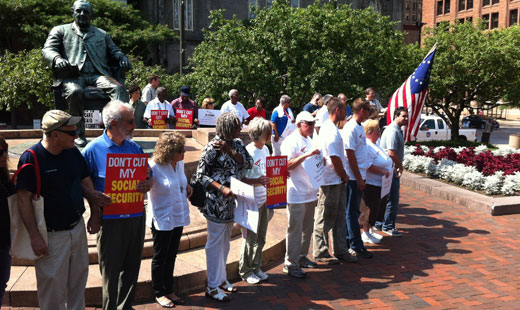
{"x": 412, "y": 95}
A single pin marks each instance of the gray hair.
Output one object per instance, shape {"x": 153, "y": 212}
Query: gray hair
{"x": 112, "y": 111}
{"x": 232, "y": 92}
{"x": 327, "y": 98}
{"x": 259, "y": 128}
{"x": 285, "y": 99}
{"x": 227, "y": 124}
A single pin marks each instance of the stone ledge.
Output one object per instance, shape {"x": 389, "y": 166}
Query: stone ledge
{"x": 463, "y": 197}
{"x": 37, "y": 133}
{"x": 190, "y": 271}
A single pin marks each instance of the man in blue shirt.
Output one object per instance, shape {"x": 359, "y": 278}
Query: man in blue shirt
{"x": 283, "y": 123}
{"x": 313, "y": 106}
{"x": 120, "y": 241}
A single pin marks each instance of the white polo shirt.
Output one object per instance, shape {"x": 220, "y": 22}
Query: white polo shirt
{"x": 237, "y": 109}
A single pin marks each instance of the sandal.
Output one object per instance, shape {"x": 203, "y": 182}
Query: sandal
{"x": 228, "y": 287}
{"x": 165, "y": 302}
{"x": 217, "y": 294}
{"x": 176, "y": 300}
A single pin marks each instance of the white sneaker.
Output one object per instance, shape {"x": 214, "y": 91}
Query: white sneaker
{"x": 375, "y": 235}
{"x": 252, "y": 279}
{"x": 367, "y": 237}
{"x": 262, "y": 275}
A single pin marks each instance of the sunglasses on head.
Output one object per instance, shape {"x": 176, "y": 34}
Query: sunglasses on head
{"x": 71, "y": 133}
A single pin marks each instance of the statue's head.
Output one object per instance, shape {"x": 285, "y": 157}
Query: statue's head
{"x": 82, "y": 12}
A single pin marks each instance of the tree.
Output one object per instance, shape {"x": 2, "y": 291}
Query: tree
{"x": 25, "y": 24}
{"x": 26, "y": 80}
{"x": 472, "y": 64}
{"x": 298, "y": 51}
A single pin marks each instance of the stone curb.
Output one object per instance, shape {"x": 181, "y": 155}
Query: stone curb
{"x": 463, "y": 197}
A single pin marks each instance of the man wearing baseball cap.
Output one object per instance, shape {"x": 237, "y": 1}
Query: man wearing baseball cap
{"x": 301, "y": 196}
{"x": 184, "y": 102}
{"x": 62, "y": 266}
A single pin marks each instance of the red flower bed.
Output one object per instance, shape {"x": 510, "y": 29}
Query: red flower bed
{"x": 484, "y": 162}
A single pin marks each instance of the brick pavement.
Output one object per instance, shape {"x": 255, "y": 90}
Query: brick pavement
{"x": 448, "y": 258}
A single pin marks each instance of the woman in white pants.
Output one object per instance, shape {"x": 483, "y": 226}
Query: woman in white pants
{"x": 222, "y": 158}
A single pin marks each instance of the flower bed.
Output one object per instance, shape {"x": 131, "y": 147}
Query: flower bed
{"x": 494, "y": 172}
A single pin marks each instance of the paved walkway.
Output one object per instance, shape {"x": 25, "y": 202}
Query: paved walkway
{"x": 448, "y": 258}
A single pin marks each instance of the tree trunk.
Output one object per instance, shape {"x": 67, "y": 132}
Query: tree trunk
{"x": 14, "y": 125}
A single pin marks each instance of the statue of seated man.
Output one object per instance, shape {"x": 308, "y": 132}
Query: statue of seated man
{"x": 79, "y": 56}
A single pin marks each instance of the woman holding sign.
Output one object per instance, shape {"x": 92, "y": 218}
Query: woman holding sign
{"x": 222, "y": 158}
{"x": 251, "y": 257}
{"x": 168, "y": 213}
{"x": 373, "y": 204}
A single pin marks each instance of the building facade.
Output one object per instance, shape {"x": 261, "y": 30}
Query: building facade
{"x": 496, "y": 13}
{"x": 412, "y": 20}
{"x": 196, "y": 18}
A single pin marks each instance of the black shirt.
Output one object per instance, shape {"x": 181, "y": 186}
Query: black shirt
{"x": 61, "y": 177}
{"x": 6, "y": 190}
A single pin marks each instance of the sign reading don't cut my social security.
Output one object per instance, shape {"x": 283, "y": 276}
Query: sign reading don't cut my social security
{"x": 123, "y": 173}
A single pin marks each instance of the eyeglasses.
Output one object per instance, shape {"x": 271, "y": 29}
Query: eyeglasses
{"x": 308, "y": 123}
{"x": 71, "y": 133}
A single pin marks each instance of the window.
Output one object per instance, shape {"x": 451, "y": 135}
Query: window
{"x": 440, "y": 124}
{"x": 495, "y": 1}
{"x": 188, "y": 14}
{"x": 407, "y": 6}
{"x": 486, "y": 2}
{"x": 446, "y": 6}
{"x": 295, "y": 3}
{"x": 414, "y": 6}
{"x": 462, "y": 5}
{"x": 414, "y": 18}
{"x": 469, "y": 19}
{"x": 513, "y": 17}
{"x": 494, "y": 20}
{"x": 427, "y": 125}
{"x": 469, "y": 4}
{"x": 485, "y": 20}
{"x": 461, "y": 20}
{"x": 407, "y": 17}
{"x": 439, "y": 7}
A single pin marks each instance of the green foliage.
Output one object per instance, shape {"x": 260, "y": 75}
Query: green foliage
{"x": 139, "y": 73}
{"x": 25, "y": 80}
{"x": 472, "y": 64}
{"x": 25, "y": 24}
{"x": 298, "y": 51}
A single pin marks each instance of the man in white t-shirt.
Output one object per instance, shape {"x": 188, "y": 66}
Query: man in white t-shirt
{"x": 330, "y": 212}
{"x": 159, "y": 103}
{"x": 233, "y": 105}
{"x": 301, "y": 196}
{"x": 323, "y": 114}
{"x": 356, "y": 149}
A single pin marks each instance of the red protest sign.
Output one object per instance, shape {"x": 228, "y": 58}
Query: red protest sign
{"x": 159, "y": 119}
{"x": 123, "y": 172}
{"x": 184, "y": 118}
{"x": 276, "y": 167}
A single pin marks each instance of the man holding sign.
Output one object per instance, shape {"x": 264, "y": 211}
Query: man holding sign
{"x": 330, "y": 212}
{"x": 159, "y": 112}
{"x": 301, "y": 197}
{"x": 111, "y": 160}
{"x": 186, "y": 110}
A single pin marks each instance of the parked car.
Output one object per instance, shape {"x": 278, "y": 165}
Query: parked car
{"x": 476, "y": 121}
{"x": 435, "y": 128}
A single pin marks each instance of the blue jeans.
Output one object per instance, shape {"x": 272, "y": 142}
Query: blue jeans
{"x": 393, "y": 203}
{"x": 5, "y": 270}
{"x": 353, "y": 229}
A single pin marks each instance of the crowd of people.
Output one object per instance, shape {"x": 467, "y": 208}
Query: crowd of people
{"x": 348, "y": 141}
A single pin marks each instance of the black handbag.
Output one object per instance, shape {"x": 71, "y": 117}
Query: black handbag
{"x": 198, "y": 196}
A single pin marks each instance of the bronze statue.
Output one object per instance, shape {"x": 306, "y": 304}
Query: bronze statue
{"x": 79, "y": 55}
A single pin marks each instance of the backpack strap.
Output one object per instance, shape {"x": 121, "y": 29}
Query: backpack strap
{"x": 36, "y": 171}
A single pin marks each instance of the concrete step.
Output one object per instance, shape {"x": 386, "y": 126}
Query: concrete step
{"x": 190, "y": 270}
